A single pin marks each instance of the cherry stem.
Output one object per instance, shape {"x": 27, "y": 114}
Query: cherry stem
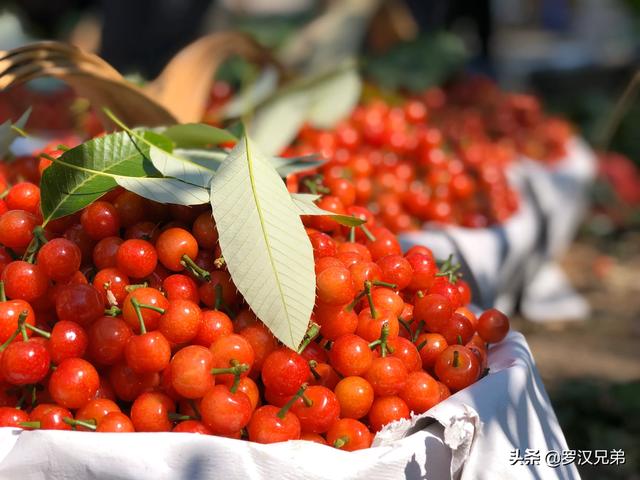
{"x": 37, "y": 330}
{"x": 367, "y": 289}
{"x": 236, "y": 369}
{"x": 405, "y": 325}
{"x": 352, "y": 234}
{"x": 459, "y": 338}
{"x": 113, "y": 311}
{"x": 135, "y": 286}
{"x": 136, "y": 308}
{"x": 315, "y": 187}
{"x": 188, "y": 263}
{"x": 382, "y": 341}
{"x": 418, "y": 330}
{"x": 449, "y": 270}
{"x": 283, "y": 411}
{"x": 3, "y": 296}
{"x": 219, "y": 300}
{"x": 367, "y": 233}
{"x": 422, "y": 345}
{"x": 420, "y": 294}
{"x": 353, "y": 304}
{"x": 341, "y": 442}
{"x": 34, "y": 424}
{"x": 179, "y": 417}
{"x": 456, "y": 359}
{"x": 219, "y": 262}
{"x": 312, "y": 332}
{"x": 90, "y": 424}
{"x": 37, "y": 241}
{"x": 380, "y": 283}
{"x": 312, "y": 366}
{"x": 194, "y": 407}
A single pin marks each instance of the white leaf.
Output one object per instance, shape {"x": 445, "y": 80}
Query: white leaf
{"x": 335, "y": 98}
{"x": 278, "y": 121}
{"x": 264, "y": 243}
{"x": 182, "y": 168}
{"x": 165, "y": 190}
{"x": 257, "y": 92}
{"x": 304, "y": 203}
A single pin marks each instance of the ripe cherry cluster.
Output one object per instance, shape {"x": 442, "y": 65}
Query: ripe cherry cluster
{"x": 124, "y": 318}
{"x": 439, "y": 157}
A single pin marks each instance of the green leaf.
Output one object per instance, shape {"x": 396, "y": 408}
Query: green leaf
{"x": 264, "y": 243}
{"x": 197, "y": 135}
{"x": 254, "y": 94}
{"x": 335, "y": 98}
{"x": 305, "y": 205}
{"x": 167, "y": 163}
{"x": 9, "y": 134}
{"x": 86, "y": 172}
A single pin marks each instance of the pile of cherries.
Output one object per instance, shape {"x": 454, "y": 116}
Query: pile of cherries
{"x": 123, "y": 318}
{"x": 440, "y": 157}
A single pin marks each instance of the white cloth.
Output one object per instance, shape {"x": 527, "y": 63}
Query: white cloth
{"x": 475, "y": 432}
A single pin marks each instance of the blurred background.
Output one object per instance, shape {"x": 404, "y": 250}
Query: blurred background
{"x": 577, "y": 56}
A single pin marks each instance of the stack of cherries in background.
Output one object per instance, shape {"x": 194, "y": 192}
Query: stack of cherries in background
{"x": 123, "y": 318}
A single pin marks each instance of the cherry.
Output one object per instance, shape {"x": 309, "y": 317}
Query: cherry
{"x": 457, "y": 367}
{"x": 355, "y": 395}
{"x": 105, "y": 252}
{"x": 82, "y": 304}
{"x": 130, "y": 207}
{"x": 12, "y": 417}
{"x": 173, "y": 246}
{"x": 10, "y": 313}
{"x": 383, "y": 243}
{"x": 225, "y": 410}
{"x": 335, "y": 320}
{"x": 350, "y": 355}
{"x": 313, "y": 437}
{"x": 204, "y": 231}
{"x": 153, "y": 305}
{"x": 112, "y": 285}
{"x": 424, "y": 270}
{"x": 95, "y": 410}
{"x": 407, "y": 352}
{"x": 493, "y": 325}
{"x": 115, "y": 422}
{"x": 219, "y": 291}
{"x": 262, "y": 343}
{"x": 430, "y": 346}
{"x": 387, "y": 375}
{"x": 433, "y": 310}
{"x": 335, "y": 286}
{"x": 349, "y": 435}
{"x": 100, "y": 220}
{"x": 228, "y": 349}
{"x": 59, "y": 259}
{"x": 24, "y": 281}
{"x": 48, "y": 416}
{"x": 365, "y": 271}
{"x": 127, "y": 384}
{"x": 180, "y": 322}
{"x": 385, "y": 410}
{"x": 192, "y": 426}
{"x": 323, "y": 245}
{"x": 421, "y": 392}
{"x": 191, "y": 371}
{"x": 147, "y": 352}
{"x": 74, "y": 383}
{"x": 24, "y": 196}
{"x": 317, "y": 410}
{"x": 213, "y": 325}
{"x": 181, "y": 287}
{"x": 16, "y": 229}
{"x": 136, "y": 258}
{"x": 396, "y": 270}
{"x": 107, "y": 339}
{"x": 24, "y": 363}
{"x": 150, "y": 412}
{"x": 444, "y": 287}
{"x": 284, "y": 371}
{"x": 270, "y": 424}
{"x": 67, "y": 340}
{"x": 457, "y": 330}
